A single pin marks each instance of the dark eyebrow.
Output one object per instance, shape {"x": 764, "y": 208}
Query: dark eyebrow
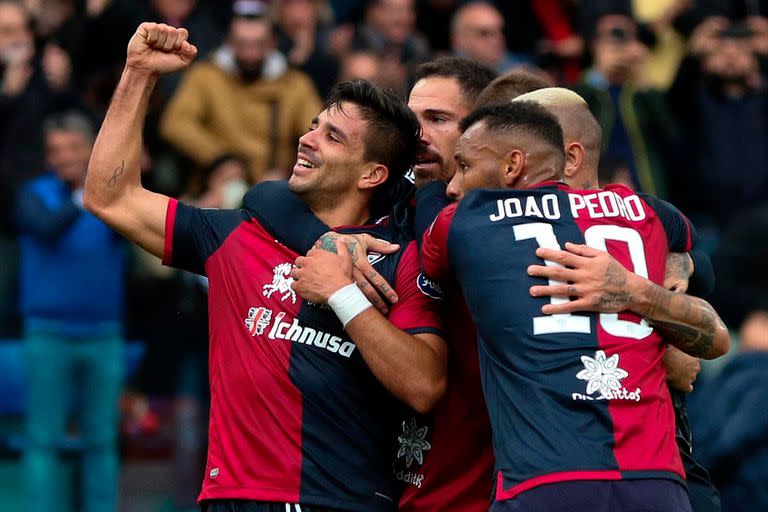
{"x": 335, "y": 129}
{"x": 438, "y": 112}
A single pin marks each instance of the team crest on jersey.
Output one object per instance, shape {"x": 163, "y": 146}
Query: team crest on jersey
{"x": 281, "y": 283}
{"x": 429, "y": 287}
{"x": 258, "y": 319}
{"x": 604, "y": 377}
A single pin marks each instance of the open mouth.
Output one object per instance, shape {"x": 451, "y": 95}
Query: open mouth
{"x": 303, "y": 162}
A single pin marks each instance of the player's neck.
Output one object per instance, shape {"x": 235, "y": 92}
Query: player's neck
{"x": 348, "y": 212}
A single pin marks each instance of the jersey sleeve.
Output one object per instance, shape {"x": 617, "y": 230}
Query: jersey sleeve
{"x": 677, "y": 226}
{"x": 430, "y": 201}
{"x": 434, "y": 248}
{"x": 193, "y": 234}
{"x": 419, "y": 308}
{"x": 285, "y": 215}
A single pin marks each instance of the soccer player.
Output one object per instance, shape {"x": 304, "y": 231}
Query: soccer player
{"x": 577, "y": 402}
{"x": 450, "y": 467}
{"x": 307, "y": 400}
{"x": 582, "y": 137}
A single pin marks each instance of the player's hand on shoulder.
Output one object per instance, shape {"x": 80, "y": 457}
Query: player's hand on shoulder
{"x": 321, "y": 273}
{"x": 158, "y": 49}
{"x": 360, "y": 245}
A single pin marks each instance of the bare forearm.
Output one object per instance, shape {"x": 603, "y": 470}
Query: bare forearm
{"x": 409, "y": 368}
{"x": 114, "y": 167}
{"x": 689, "y": 323}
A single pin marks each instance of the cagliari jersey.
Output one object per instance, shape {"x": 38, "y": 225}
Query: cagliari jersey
{"x": 296, "y": 414}
{"x": 570, "y": 397}
{"x": 445, "y": 459}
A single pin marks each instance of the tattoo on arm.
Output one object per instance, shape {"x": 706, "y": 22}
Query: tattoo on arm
{"x": 696, "y": 336}
{"x": 615, "y": 278}
{"x": 118, "y": 172}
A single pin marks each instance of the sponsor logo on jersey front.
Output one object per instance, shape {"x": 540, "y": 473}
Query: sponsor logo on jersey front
{"x": 429, "y": 287}
{"x": 413, "y": 446}
{"x": 292, "y": 331}
{"x": 281, "y": 283}
{"x": 604, "y": 377}
{"x": 260, "y": 321}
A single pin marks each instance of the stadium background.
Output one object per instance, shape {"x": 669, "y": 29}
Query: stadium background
{"x": 675, "y": 137}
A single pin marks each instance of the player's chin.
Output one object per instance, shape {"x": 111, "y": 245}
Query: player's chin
{"x": 298, "y": 182}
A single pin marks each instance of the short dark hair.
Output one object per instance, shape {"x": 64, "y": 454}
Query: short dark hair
{"x": 509, "y": 86}
{"x": 393, "y": 131}
{"x": 526, "y": 116}
{"x": 472, "y": 76}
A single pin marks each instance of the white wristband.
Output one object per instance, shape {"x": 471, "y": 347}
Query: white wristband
{"x": 348, "y": 302}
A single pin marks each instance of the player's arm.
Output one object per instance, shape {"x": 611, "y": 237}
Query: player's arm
{"x": 412, "y": 367}
{"x": 602, "y": 284}
{"x": 113, "y": 190}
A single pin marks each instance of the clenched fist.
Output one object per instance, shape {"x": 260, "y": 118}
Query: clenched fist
{"x": 160, "y": 49}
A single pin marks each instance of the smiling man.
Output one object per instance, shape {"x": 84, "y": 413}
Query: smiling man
{"x": 307, "y": 399}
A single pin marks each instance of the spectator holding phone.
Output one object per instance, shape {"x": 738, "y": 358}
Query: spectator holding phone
{"x": 719, "y": 97}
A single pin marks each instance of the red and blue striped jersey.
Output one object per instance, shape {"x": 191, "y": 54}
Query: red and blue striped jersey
{"x": 296, "y": 414}
{"x": 570, "y": 397}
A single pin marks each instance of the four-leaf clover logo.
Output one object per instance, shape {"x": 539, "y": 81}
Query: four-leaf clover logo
{"x": 602, "y": 373}
{"x": 413, "y": 443}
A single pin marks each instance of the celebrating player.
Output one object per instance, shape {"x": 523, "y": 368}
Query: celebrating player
{"x": 571, "y": 397}
{"x": 304, "y": 398}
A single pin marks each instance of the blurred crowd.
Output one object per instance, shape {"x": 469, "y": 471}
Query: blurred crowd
{"x": 678, "y": 86}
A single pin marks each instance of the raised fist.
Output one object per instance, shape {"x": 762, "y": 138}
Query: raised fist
{"x": 160, "y": 49}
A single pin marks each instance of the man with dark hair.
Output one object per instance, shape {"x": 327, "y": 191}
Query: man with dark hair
{"x": 511, "y": 85}
{"x": 533, "y": 364}
{"x": 446, "y": 460}
{"x": 306, "y": 397}
{"x": 444, "y": 93}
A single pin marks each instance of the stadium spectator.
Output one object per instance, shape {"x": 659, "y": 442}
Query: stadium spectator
{"x": 32, "y": 86}
{"x": 741, "y": 276}
{"x": 331, "y": 398}
{"x": 72, "y": 303}
{"x": 389, "y": 30}
{"x": 638, "y": 130}
{"x": 303, "y": 34}
{"x": 245, "y": 99}
{"x": 731, "y": 414}
{"x": 363, "y": 65}
{"x": 720, "y": 98}
{"x": 477, "y": 32}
